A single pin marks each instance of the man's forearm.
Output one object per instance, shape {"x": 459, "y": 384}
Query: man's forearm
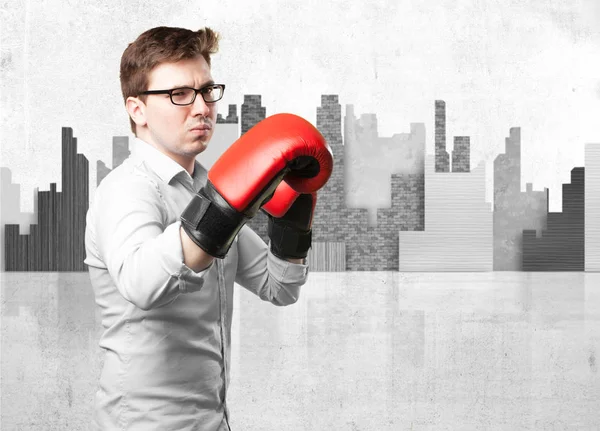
{"x": 193, "y": 256}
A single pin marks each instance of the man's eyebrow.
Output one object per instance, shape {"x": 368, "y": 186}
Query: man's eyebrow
{"x": 209, "y": 82}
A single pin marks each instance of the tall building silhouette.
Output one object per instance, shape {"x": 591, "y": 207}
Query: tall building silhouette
{"x": 514, "y": 210}
{"x": 461, "y": 155}
{"x": 455, "y": 235}
{"x": 592, "y": 207}
{"x": 56, "y": 243}
{"x": 442, "y": 159}
{"x": 120, "y": 151}
{"x": 561, "y": 246}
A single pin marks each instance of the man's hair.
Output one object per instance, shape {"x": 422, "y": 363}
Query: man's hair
{"x": 161, "y": 45}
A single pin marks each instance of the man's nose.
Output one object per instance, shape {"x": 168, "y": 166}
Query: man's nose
{"x": 200, "y": 107}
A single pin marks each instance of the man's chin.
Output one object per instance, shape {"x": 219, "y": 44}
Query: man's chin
{"x": 197, "y": 146}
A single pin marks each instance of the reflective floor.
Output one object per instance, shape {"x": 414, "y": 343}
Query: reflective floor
{"x": 358, "y": 351}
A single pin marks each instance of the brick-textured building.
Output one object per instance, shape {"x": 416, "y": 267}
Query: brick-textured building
{"x": 461, "y": 155}
{"x": 252, "y": 111}
{"x": 407, "y": 213}
{"x": 442, "y": 158}
{"x": 231, "y": 118}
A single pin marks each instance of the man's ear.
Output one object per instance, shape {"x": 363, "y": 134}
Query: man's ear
{"x": 137, "y": 110}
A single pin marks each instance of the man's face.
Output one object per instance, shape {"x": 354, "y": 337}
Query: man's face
{"x": 181, "y": 132}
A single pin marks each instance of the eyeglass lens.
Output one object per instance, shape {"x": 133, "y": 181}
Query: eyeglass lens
{"x": 184, "y": 96}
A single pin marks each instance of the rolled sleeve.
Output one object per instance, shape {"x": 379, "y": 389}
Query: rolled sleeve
{"x": 289, "y": 276}
{"x": 271, "y": 278}
{"x": 286, "y": 271}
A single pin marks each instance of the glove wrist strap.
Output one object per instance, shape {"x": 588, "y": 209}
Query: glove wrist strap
{"x": 211, "y": 222}
{"x": 288, "y": 241}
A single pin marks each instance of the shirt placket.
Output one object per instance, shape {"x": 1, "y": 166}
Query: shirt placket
{"x": 222, "y": 323}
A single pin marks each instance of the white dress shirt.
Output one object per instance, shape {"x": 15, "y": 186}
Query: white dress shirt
{"x": 167, "y": 329}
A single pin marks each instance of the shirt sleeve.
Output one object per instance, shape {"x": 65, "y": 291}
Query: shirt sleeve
{"x": 142, "y": 253}
{"x": 261, "y": 272}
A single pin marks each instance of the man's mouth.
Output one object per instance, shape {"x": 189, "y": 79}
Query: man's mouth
{"x": 203, "y": 127}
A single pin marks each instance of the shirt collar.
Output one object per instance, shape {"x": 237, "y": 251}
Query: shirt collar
{"x": 164, "y": 166}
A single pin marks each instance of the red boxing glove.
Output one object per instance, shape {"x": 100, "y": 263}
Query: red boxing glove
{"x": 247, "y": 174}
{"x": 278, "y": 146}
{"x": 282, "y": 200}
{"x": 290, "y": 222}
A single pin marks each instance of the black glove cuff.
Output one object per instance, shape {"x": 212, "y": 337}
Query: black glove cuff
{"x": 288, "y": 241}
{"x": 211, "y": 222}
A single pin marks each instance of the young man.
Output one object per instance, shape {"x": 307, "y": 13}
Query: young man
{"x": 165, "y": 300}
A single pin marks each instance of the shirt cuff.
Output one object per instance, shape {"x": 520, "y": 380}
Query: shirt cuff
{"x": 282, "y": 269}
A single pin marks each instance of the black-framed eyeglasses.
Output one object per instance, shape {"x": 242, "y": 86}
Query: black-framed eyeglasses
{"x": 182, "y": 96}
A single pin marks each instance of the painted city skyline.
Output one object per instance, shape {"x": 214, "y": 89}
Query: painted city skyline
{"x": 429, "y": 212}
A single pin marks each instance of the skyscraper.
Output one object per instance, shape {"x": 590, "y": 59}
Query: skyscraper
{"x": 442, "y": 159}
{"x": 56, "y": 243}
